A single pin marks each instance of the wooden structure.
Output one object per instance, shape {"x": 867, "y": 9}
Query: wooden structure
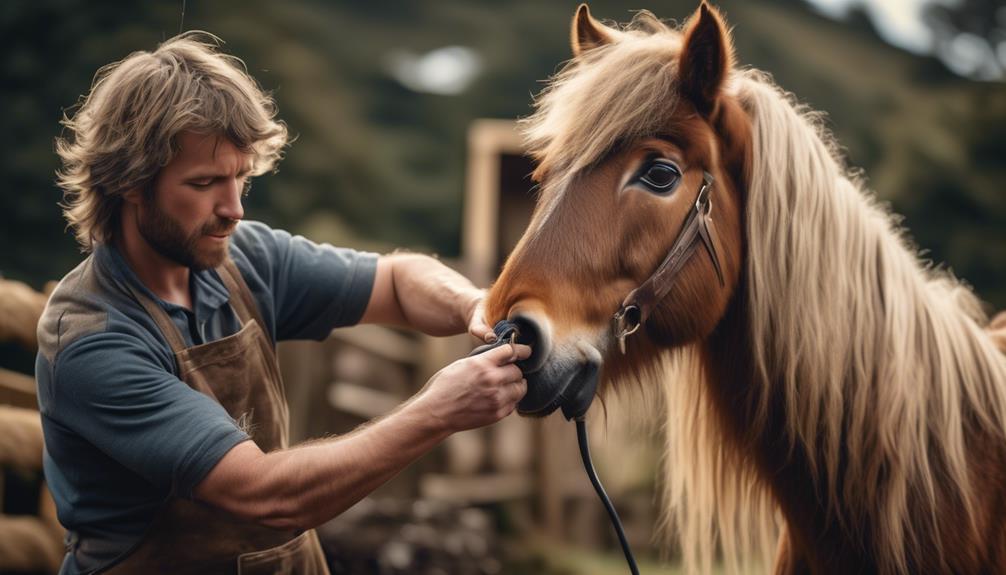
{"x": 31, "y": 538}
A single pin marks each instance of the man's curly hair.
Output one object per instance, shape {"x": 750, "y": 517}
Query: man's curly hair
{"x": 125, "y": 130}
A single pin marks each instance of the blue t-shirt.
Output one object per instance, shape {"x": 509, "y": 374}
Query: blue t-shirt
{"x": 122, "y": 432}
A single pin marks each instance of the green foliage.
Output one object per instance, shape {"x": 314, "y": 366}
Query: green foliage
{"x": 378, "y": 166}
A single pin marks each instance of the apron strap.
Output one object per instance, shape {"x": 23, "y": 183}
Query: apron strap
{"x": 241, "y": 300}
{"x": 241, "y": 297}
{"x": 160, "y": 317}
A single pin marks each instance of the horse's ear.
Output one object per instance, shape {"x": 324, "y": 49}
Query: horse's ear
{"x": 707, "y": 56}
{"x": 587, "y": 33}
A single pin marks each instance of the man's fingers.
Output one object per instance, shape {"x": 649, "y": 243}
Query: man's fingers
{"x": 518, "y": 389}
{"x": 510, "y": 395}
{"x": 477, "y": 325}
{"x": 508, "y": 353}
{"x": 521, "y": 351}
{"x": 509, "y": 374}
{"x": 482, "y": 332}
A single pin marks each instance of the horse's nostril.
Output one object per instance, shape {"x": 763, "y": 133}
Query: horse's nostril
{"x": 530, "y": 333}
{"x": 527, "y": 331}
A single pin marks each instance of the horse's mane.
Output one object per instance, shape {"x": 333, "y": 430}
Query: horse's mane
{"x": 608, "y": 95}
{"x": 878, "y": 358}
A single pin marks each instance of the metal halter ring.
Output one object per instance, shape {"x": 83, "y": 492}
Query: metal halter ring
{"x": 703, "y": 205}
{"x": 626, "y": 322}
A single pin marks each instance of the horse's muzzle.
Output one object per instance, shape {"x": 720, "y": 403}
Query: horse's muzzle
{"x": 568, "y": 383}
{"x": 563, "y": 378}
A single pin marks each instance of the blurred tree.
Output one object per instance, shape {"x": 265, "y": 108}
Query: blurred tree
{"x": 376, "y": 165}
{"x": 970, "y": 37}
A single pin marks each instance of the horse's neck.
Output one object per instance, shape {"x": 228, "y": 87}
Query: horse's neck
{"x": 759, "y": 433}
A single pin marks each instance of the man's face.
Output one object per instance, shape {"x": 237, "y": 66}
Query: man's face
{"x": 196, "y": 201}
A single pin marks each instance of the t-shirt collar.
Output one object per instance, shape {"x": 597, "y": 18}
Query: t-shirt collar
{"x": 208, "y": 291}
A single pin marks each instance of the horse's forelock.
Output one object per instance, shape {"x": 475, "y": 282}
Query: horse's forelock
{"x": 617, "y": 92}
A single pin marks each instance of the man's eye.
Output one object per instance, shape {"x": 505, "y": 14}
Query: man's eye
{"x": 201, "y": 185}
{"x": 660, "y": 176}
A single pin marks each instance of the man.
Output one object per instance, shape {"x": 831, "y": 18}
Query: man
{"x": 163, "y": 412}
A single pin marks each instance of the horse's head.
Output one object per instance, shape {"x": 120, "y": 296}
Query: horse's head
{"x": 639, "y": 143}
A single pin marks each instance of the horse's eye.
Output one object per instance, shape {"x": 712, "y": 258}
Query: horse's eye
{"x": 660, "y": 176}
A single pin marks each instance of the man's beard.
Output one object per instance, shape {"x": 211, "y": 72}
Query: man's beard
{"x": 167, "y": 237}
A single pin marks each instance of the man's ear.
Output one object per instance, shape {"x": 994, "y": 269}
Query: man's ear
{"x": 587, "y": 33}
{"x": 706, "y": 59}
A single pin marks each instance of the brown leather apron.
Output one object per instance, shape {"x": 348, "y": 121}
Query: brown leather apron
{"x": 242, "y": 374}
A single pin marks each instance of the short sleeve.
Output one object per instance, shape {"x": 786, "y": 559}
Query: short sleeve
{"x": 315, "y": 287}
{"x": 111, "y": 390}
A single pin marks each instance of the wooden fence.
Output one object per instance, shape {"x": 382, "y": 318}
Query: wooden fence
{"x": 31, "y": 538}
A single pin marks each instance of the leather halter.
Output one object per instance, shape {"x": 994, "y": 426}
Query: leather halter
{"x": 641, "y": 301}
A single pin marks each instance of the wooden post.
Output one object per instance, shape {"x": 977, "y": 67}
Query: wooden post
{"x": 20, "y": 309}
{"x": 487, "y": 141}
{"x": 17, "y": 389}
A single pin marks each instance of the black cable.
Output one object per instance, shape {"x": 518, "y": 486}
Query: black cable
{"x": 506, "y": 332}
{"x": 581, "y": 438}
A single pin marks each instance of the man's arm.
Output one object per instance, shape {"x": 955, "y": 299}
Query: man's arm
{"x": 418, "y": 291}
{"x": 307, "y": 485}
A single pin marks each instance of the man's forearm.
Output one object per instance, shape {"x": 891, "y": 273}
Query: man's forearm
{"x": 307, "y": 485}
{"x": 432, "y": 297}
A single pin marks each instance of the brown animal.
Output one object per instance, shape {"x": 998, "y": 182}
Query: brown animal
{"x": 833, "y": 405}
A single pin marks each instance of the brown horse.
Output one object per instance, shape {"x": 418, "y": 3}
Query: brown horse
{"x": 831, "y": 401}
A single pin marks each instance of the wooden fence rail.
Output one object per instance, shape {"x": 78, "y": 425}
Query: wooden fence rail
{"x": 28, "y": 542}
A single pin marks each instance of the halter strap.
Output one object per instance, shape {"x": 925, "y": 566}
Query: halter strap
{"x": 640, "y": 303}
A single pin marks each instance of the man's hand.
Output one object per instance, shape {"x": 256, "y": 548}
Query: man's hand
{"x": 476, "y": 391}
{"x": 477, "y": 326}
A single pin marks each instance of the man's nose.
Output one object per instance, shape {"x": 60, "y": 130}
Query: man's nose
{"x": 229, "y": 206}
